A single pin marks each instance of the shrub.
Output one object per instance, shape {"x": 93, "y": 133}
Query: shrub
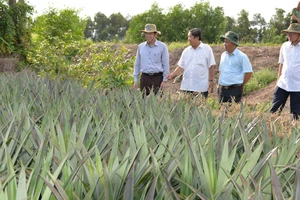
{"x": 260, "y": 79}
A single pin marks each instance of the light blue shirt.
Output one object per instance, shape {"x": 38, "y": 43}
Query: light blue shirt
{"x": 151, "y": 59}
{"x": 233, "y": 67}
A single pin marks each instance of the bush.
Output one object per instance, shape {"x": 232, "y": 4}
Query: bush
{"x": 260, "y": 80}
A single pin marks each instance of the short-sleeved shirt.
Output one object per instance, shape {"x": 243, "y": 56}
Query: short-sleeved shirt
{"x": 151, "y": 59}
{"x": 196, "y": 64}
{"x": 296, "y": 13}
{"x": 233, "y": 67}
{"x": 289, "y": 57}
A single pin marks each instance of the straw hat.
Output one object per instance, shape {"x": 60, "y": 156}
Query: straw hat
{"x": 293, "y": 28}
{"x": 150, "y": 28}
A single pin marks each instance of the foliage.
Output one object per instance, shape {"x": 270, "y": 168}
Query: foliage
{"x": 82, "y": 61}
{"x": 63, "y": 24}
{"x": 210, "y": 21}
{"x": 176, "y": 24}
{"x": 260, "y": 79}
{"x": 105, "y": 28}
{"x": 14, "y": 28}
{"x": 59, "y": 51}
{"x": 107, "y": 66}
{"x": 62, "y": 141}
{"x": 152, "y": 16}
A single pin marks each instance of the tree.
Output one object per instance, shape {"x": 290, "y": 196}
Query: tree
{"x": 152, "y": 16}
{"x": 259, "y": 24}
{"x": 243, "y": 26}
{"x": 64, "y": 24}
{"x": 230, "y": 24}
{"x": 11, "y": 3}
{"x": 101, "y": 23}
{"x": 15, "y": 33}
{"x": 279, "y": 21}
{"x": 89, "y": 29}
{"x": 211, "y": 21}
{"x": 117, "y": 27}
{"x": 178, "y": 19}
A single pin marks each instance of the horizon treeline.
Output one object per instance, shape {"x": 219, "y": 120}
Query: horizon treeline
{"x": 177, "y": 20}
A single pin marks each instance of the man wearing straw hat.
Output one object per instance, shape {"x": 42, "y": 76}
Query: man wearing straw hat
{"x": 152, "y": 62}
{"x": 288, "y": 82}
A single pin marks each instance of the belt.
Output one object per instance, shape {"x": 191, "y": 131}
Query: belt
{"x": 231, "y": 86}
{"x": 153, "y": 74}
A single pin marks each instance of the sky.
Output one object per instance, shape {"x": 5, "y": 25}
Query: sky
{"x": 133, "y": 7}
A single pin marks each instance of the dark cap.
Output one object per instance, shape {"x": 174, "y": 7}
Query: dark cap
{"x": 231, "y": 36}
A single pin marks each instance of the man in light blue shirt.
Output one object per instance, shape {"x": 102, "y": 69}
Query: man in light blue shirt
{"x": 152, "y": 62}
{"x": 235, "y": 70}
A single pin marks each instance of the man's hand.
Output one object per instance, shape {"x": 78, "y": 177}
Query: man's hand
{"x": 211, "y": 87}
{"x": 163, "y": 84}
{"x": 135, "y": 85}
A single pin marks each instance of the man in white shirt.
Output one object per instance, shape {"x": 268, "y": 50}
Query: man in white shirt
{"x": 197, "y": 62}
{"x": 288, "y": 83}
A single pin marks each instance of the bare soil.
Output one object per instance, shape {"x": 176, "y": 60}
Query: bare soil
{"x": 260, "y": 57}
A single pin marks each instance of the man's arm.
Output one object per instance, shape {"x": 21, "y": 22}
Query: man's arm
{"x": 279, "y": 71}
{"x": 247, "y": 77}
{"x": 211, "y": 78}
{"x": 175, "y": 73}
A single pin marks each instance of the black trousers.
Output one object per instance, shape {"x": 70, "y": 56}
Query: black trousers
{"x": 280, "y": 98}
{"x": 151, "y": 82}
{"x": 230, "y": 93}
{"x": 196, "y": 94}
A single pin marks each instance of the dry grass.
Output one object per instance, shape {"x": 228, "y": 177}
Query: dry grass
{"x": 8, "y": 64}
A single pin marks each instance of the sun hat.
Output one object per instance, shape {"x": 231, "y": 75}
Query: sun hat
{"x": 150, "y": 28}
{"x": 293, "y": 28}
{"x": 231, "y": 36}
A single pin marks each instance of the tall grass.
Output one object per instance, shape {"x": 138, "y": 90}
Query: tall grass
{"x": 62, "y": 141}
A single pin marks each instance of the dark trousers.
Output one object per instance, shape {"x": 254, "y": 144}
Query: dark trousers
{"x": 151, "y": 82}
{"x": 230, "y": 93}
{"x": 196, "y": 94}
{"x": 280, "y": 98}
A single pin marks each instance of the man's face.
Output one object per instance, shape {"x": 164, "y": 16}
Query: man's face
{"x": 150, "y": 37}
{"x": 293, "y": 37}
{"x": 192, "y": 40}
{"x": 228, "y": 46}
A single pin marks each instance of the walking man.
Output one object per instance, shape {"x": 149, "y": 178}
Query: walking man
{"x": 288, "y": 83}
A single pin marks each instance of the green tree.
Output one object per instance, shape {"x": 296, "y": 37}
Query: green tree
{"x": 280, "y": 21}
{"x": 243, "y": 27}
{"x": 101, "y": 23}
{"x": 89, "y": 29}
{"x": 59, "y": 37}
{"x": 259, "y": 24}
{"x": 64, "y": 24}
{"x": 117, "y": 27}
{"x": 152, "y": 16}
{"x": 211, "y": 21}
{"x": 230, "y": 24}
{"x": 15, "y": 22}
{"x": 177, "y": 19}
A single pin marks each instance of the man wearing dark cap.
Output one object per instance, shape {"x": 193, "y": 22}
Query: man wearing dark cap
{"x": 152, "y": 62}
{"x": 235, "y": 70}
{"x": 288, "y": 82}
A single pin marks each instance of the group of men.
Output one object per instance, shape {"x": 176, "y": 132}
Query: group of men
{"x": 197, "y": 66}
